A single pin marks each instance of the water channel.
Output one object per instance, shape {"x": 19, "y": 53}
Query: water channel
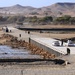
{"x": 7, "y": 52}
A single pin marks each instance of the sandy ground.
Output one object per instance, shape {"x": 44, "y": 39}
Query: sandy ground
{"x": 49, "y": 26}
{"x": 55, "y": 35}
{"x": 36, "y": 70}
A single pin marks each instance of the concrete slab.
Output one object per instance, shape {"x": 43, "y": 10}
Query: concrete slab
{"x": 48, "y": 42}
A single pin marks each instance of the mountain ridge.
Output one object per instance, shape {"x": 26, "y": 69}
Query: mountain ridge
{"x": 57, "y": 9}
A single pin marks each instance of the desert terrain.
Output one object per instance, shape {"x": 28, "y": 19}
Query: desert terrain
{"x": 33, "y": 68}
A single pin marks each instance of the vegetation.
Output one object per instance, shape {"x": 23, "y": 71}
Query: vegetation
{"x": 63, "y": 20}
{"x": 66, "y": 19}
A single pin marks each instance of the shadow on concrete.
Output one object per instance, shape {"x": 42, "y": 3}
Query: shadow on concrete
{"x": 55, "y": 61}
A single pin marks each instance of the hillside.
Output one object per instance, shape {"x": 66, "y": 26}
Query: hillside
{"x": 57, "y": 9}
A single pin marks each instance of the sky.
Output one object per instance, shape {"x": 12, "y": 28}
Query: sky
{"x": 33, "y": 3}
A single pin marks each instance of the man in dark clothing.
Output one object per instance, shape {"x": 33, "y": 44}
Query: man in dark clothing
{"x": 61, "y": 42}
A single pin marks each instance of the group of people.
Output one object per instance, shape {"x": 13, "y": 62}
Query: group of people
{"x": 61, "y": 43}
{"x": 6, "y": 29}
{"x": 69, "y": 43}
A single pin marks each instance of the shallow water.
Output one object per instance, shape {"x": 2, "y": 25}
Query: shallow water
{"x": 12, "y": 53}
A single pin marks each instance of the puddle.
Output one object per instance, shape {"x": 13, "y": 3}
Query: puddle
{"x": 8, "y": 52}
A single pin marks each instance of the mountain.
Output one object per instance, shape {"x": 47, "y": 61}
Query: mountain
{"x": 63, "y": 9}
{"x": 16, "y": 9}
{"x": 57, "y": 9}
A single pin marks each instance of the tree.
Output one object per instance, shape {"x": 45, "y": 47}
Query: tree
{"x": 47, "y": 19}
{"x": 12, "y": 19}
{"x": 20, "y": 18}
{"x": 1, "y": 18}
{"x": 72, "y": 20}
{"x": 63, "y": 20}
{"x": 16, "y": 19}
{"x": 33, "y": 19}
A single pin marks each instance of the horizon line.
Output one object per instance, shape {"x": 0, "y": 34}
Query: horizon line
{"x": 35, "y": 6}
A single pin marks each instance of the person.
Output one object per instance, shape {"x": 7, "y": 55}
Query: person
{"x": 68, "y": 51}
{"x": 28, "y": 32}
{"x": 10, "y": 30}
{"x": 70, "y": 43}
{"x": 7, "y": 30}
{"x": 19, "y": 35}
{"x": 61, "y": 42}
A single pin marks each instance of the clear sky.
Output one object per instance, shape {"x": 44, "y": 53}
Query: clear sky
{"x": 33, "y": 3}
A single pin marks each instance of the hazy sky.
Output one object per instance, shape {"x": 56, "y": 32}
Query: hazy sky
{"x": 33, "y": 3}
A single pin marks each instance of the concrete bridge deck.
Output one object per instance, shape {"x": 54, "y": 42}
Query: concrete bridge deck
{"x": 48, "y": 42}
